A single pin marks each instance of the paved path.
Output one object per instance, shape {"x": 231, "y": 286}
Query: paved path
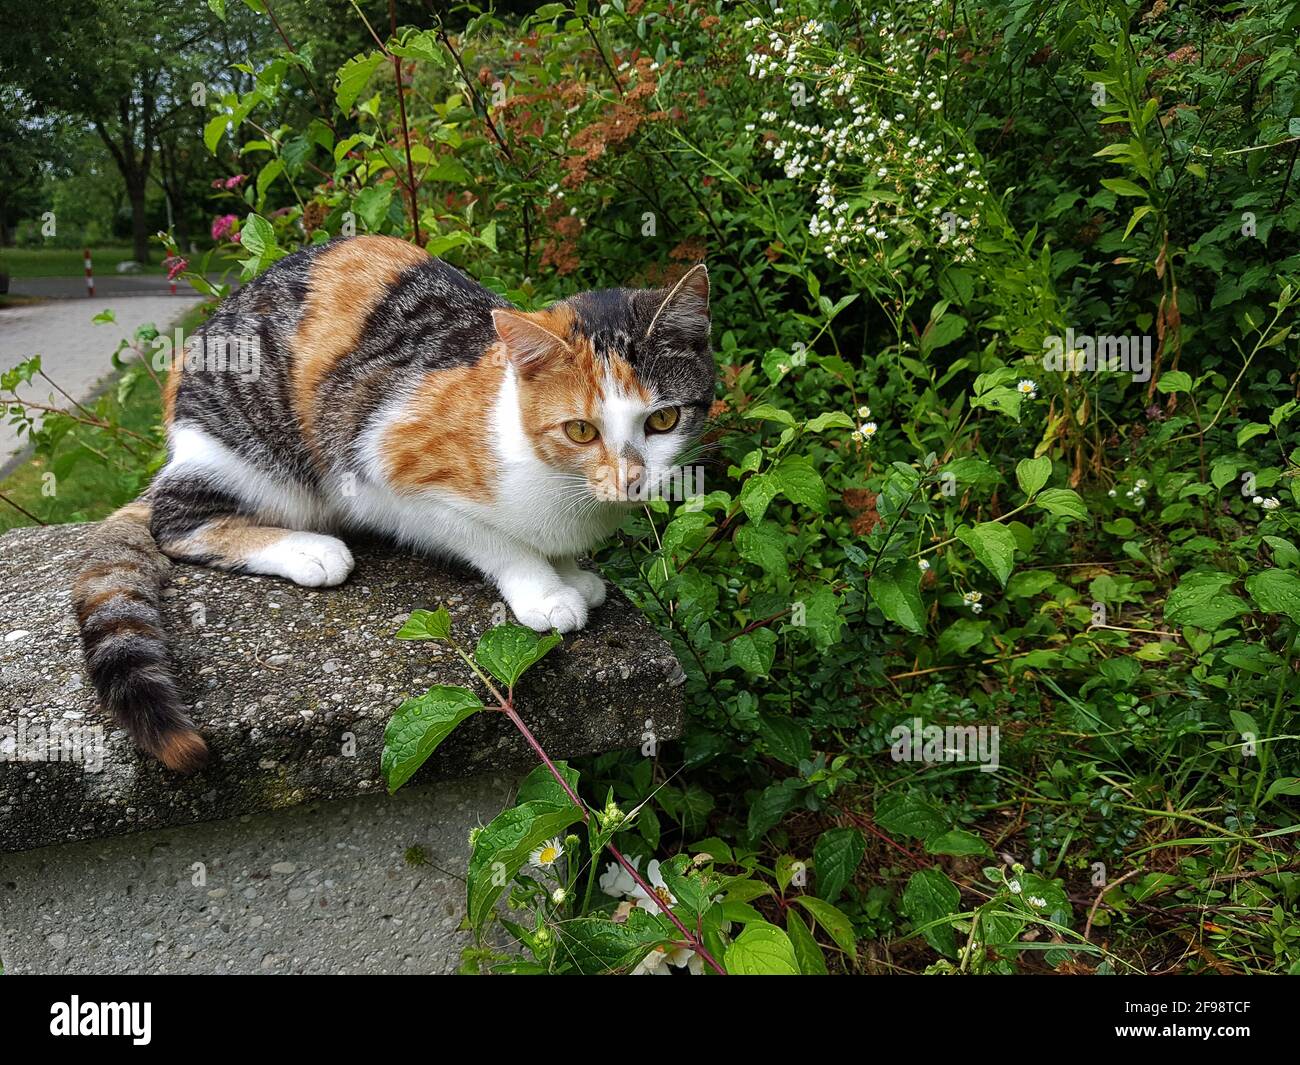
{"x": 75, "y": 352}
{"x": 58, "y": 288}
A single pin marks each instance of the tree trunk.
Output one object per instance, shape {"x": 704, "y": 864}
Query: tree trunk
{"x": 139, "y": 223}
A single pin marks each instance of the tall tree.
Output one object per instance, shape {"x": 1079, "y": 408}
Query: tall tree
{"x": 125, "y": 67}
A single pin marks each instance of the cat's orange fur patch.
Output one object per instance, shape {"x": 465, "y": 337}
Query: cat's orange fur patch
{"x": 228, "y": 541}
{"x": 439, "y": 441}
{"x": 347, "y": 282}
{"x": 171, "y": 387}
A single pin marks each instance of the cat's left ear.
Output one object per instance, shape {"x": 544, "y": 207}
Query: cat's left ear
{"x": 686, "y": 307}
{"x": 530, "y": 344}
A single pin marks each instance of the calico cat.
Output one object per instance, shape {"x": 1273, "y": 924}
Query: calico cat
{"x": 389, "y": 393}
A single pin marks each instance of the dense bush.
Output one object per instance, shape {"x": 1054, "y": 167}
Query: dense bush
{"x": 922, "y": 506}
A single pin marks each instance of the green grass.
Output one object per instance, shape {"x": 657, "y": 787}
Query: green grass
{"x": 86, "y": 488}
{"x": 67, "y": 262}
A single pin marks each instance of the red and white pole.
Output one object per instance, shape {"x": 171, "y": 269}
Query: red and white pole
{"x": 90, "y": 277}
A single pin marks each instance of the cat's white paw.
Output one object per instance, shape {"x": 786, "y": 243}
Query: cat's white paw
{"x": 309, "y": 559}
{"x": 591, "y": 586}
{"x": 562, "y": 609}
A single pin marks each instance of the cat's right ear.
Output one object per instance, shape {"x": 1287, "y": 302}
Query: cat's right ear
{"x": 529, "y": 344}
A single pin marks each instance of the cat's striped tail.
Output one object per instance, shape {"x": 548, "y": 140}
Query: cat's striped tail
{"x": 116, "y": 596}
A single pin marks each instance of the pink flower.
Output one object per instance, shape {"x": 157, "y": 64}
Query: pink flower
{"x": 236, "y": 181}
{"x": 223, "y": 224}
{"x": 175, "y": 265}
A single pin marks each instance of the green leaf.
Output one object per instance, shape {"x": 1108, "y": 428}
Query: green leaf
{"x": 540, "y": 784}
{"x": 507, "y": 651}
{"x": 352, "y": 79}
{"x": 764, "y": 544}
{"x": 1249, "y": 431}
{"x": 832, "y": 419}
{"x": 597, "y": 945}
{"x": 796, "y": 479}
{"x": 1200, "y": 601}
{"x": 993, "y": 546}
{"x": 909, "y": 815}
{"x": 418, "y": 726}
{"x": 768, "y": 413}
{"x": 1123, "y": 187}
{"x": 756, "y": 494}
{"x": 755, "y": 652}
{"x": 1276, "y": 591}
{"x": 1063, "y": 502}
{"x": 895, "y": 587}
{"x": 833, "y": 922}
{"x": 762, "y": 950}
{"x": 1174, "y": 381}
{"x": 836, "y": 857}
{"x": 958, "y": 841}
{"x": 941, "y": 333}
{"x": 812, "y": 962}
{"x": 961, "y": 636}
{"x": 213, "y": 131}
{"x": 501, "y": 849}
{"x": 371, "y": 205}
{"x": 785, "y": 739}
{"x": 426, "y": 625}
{"x": 1032, "y": 474}
{"x": 929, "y": 897}
{"x": 1283, "y": 786}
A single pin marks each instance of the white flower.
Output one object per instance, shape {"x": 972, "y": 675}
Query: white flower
{"x": 864, "y": 412}
{"x": 616, "y": 881}
{"x": 1112, "y": 493}
{"x": 1140, "y": 484}
{"x": 976, "y": 608}
{"x": 658, "y": 961}
{"x": 1258, "y": 500}
{"x": 662, "y": 895}
{"x": 923, "y": 565}
{"x": 972, "y": 599}
{"x": 1028, "y": 388}
{"x": 547, "y": 854}
{"x": 558, "y": 896}
{"x": 867, "y": 431}
{"x": 1271, "y": 503}
{"x": 1139, "y": 502}
{"x": 653, "y": 964}
{"x": 1034, "y": 900}
{"x": 1014, "y": 886}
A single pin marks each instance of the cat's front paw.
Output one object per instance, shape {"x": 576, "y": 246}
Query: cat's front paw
{"x": 588, "y": 585}
{"x": 563, "y": 610}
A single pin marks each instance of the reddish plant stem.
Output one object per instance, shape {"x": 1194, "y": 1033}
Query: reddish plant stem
{"x": 696, "y": 942}
{"x": 406, "y": 132}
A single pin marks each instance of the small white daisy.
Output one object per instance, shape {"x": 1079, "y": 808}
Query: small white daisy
{"x": 547, "y": 854}
{"x": 864, "y": 412}
{"x": 1271, "y": 503}
{"x": 1028, "y": 388}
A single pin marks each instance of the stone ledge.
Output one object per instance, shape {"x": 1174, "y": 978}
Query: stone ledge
{"x": 280, "y": 676}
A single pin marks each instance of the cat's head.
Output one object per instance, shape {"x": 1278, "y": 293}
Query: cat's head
{"x": 614, "y": 385}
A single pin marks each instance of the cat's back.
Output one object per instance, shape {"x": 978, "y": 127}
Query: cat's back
{"x": 320, "y": 341}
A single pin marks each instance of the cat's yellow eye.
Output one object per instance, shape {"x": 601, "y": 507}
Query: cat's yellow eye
{"x": 580, "y": 432}
{"x": 662, "y": 420}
